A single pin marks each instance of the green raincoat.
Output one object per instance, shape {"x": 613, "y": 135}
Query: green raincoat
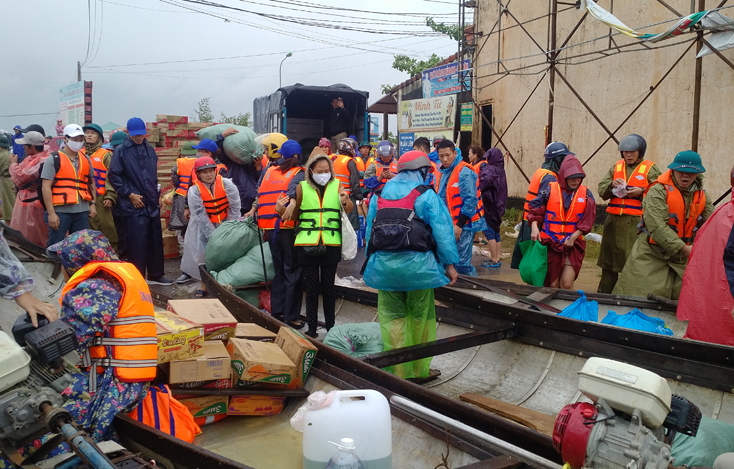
{"x": 620, "y": 232}
{"x": 7, "y": 190}
{"x": 648, "y": 268}
{"x": 103, "y": 221}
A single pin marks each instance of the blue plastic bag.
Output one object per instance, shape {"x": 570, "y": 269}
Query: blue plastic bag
{"x": 582, "y": 309}
{"x": 637, "y": 320}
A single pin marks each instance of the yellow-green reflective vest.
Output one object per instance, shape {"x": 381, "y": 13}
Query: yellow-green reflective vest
{"x": 319, "y": 219}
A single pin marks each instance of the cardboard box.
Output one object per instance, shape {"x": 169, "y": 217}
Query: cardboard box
{"x": 252, "y": 331}
{"x": 177, "y": 132}
{"x": 255, "y": 405}
{"x": 170, "y": 245}
{"x": 178, "y": 125}
{"x": 205, "y": 409}
{"x": 198, "y": 125}
{"x": 299, "y": 350}
{"x": 218, "y": 323}
{"x": 180, "y": 143}
{"x": 178, "y": 338}
{"x": 171, "y": 118}
{"x": 213, "y": 364}
{"x": 216, "y": 384}
{"x": 260, "y": 361}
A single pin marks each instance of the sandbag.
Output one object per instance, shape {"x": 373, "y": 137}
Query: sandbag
{"x": 247, "y": 270}
{"x": 713, "y": 439}
{"x": 229, "y": 242}
{"x": 534, "y": 263}
{"x": 356, "y": 340}
{"x": 250, "y": 296}
{"x": 240, "y": 147}
{"x": 581, "y": 309}
{"x": 637, "y": 320}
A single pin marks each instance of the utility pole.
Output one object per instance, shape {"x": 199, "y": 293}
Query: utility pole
{"x": 78, "y": 71}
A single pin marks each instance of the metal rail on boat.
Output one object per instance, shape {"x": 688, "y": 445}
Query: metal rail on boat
{"x": 353, "y": 370}
{"x": 699, "y": 363}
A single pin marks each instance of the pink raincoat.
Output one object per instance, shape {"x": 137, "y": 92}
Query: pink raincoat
{"x": 28, "y": 216}
{"x": 706, "y": 300}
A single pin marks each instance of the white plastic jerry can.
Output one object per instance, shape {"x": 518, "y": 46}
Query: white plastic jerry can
{"x": 363, "y": 416}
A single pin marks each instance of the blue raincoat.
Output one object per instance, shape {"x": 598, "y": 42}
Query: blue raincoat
{"x": 469, "y": 201}
{"x": 411, "y": 270}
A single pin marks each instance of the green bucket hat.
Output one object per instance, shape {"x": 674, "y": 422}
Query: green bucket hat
{"x": 94, "y": 127}
{"x": 687, "y": 162}
{"x": 187, "y": 149}
{"x": 4, "y": 141}
{"x": 117, "y": 138}
{"x": 364, "y": 144}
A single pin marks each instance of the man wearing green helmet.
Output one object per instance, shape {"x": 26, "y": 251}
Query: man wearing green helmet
{"x": 674, "y": 207}
{"x": 106, "y": 194}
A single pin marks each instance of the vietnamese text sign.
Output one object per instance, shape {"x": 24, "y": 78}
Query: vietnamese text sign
{"x": 467, "y": 114}
{"x": 427, "y": 113}
{"x": 71, "y": 104}
{"x": 406, "y": 142}
{"x": 444, "y": 80}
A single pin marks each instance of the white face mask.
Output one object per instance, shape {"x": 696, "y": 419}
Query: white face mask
{"x": 75, "y": 146}
{"x": 322, "y": 179}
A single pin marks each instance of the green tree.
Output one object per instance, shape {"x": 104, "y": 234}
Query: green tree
{"x": 385, "y": 89}
{"x": 203, "y": 113}
{"x": 414, "y": 66}
{"x": 392, "y": 138}
{"x": 451, "y": 30}
{"x": 243, "y": 119}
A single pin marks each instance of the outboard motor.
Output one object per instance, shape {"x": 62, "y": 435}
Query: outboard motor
{"x": 631, "y": 423}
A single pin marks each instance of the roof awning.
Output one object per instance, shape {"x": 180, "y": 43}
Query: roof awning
{"x": 386, "y": 104}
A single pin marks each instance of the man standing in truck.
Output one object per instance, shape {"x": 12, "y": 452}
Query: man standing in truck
{"x": 337, "y": 122}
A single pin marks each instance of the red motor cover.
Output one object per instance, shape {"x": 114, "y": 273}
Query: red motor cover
{"x": 571, "y": 435}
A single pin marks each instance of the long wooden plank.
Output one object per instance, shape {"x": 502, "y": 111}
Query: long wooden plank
{"x": 530, "y": 418}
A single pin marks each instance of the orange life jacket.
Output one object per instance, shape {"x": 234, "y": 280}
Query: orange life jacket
{"x": 186, "y": 174}
{"x": 130, "y": 344}
{"x": 534, "y": 187}
{"x": 684, "y": 226}
{"x": 100, "y": 170}
{"x": 274, "y": 183}
{"x": 222, "y": 170}
{"x": 342, "y": 171}
{"x": 380, "y": 167}
{"x": 638, "y": 178}
{"x": 160, "y": 410}
{"x": 559, "y": 224}
{"x": 216, "y": 204}
{"x": 478, "y": 166}
{"x": 71, "y": 186}
{"x": 361, "y": 166}
{"x": 453, "y": 197}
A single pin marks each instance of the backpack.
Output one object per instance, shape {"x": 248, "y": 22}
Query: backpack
{"x": 396, "y": 227}
{"x": 39, "y": 181}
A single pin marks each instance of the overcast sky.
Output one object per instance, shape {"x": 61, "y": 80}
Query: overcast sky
{"x": 50, "y": 36}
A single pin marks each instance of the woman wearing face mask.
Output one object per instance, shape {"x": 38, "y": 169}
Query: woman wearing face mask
{"x": 319, "y": 199}
{"x": 566, "y": 211}
{"x": 212, "y": 199}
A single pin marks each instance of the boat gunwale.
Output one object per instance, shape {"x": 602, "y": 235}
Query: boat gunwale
{"x": 509, "y": 431}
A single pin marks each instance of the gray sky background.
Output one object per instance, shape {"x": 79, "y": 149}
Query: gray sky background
{"x": 49, "y": 36}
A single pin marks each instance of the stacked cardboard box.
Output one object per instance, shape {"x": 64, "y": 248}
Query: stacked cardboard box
{"x": 168, "y": 133}
{"x": 252, "y": 358}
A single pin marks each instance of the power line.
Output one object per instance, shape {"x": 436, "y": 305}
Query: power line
{"x": 308, "y": 22}
{"x": 281, "y": 31}
{"x": 372, "y": 12}
{"x": 149, "y": 9}
{"x": 36, "y": 114}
